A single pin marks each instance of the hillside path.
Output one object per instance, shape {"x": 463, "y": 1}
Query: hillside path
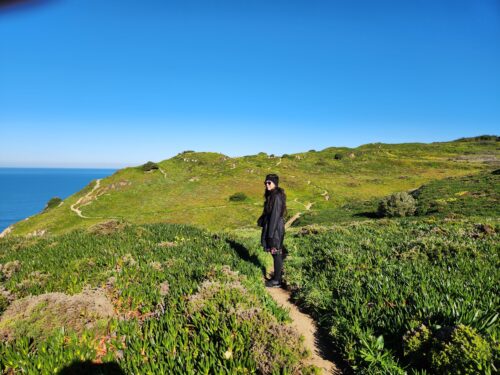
{"x": 305, "y": 326}
{"x": 297, "y": 215}
{"x": 77, "y": 209}
{"x": 163, "y": 173}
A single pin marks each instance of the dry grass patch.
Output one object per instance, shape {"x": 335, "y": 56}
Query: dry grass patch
{"x": 37, "y": 316}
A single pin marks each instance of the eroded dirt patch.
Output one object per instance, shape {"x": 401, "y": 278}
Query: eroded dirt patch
{"x": 39, "y": 315}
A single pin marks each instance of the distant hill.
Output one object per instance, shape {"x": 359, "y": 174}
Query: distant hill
{"x": 195, "y": 187}
{"x": 480, "y": 138}
{"x": 474, "y": 195}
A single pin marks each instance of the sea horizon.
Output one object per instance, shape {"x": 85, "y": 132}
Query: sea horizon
{"x": 25, "y": 191}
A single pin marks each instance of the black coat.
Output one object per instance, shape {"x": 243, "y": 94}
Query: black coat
{"x": 273, "y": 225}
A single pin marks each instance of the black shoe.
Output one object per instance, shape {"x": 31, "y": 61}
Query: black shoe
{"x": 273, "y": 284}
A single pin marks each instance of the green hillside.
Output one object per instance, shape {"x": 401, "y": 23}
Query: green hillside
{"x": 194, "y": 187}
{"x": 131, "y": 287}
{"x": 471, "y": 195}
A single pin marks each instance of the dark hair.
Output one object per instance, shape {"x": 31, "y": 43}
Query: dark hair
{"x": 270, "y": 196}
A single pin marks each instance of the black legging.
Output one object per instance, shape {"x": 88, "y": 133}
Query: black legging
{"x": 278, "y": 266}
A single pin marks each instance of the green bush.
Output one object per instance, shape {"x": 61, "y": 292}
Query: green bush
{"x": 397, "y": 204}
{"x": 149, "y": 166}
{"x": 448, "y": 350}
{"x": 338, "y": 156}
{"x": 464, "y": 352}
{"x": 53, "y": 202}
{"x": 416, "y": 343}
{"x": 239, "y": 196}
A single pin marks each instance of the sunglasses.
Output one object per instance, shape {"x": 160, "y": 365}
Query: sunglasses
{"x": 267, "y": 183}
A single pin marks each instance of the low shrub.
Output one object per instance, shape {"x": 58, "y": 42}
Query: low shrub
{"x": 149, "y": 166}
{"x": 397, "y": 204}
{"x": 463, "y": 351}
{"x": 237, "y": 197}
{"x": 53, "y": 202}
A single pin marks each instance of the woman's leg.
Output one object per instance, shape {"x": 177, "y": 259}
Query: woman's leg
{"x": 278, "y": 266}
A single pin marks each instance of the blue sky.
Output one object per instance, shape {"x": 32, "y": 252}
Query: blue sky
{"x": 110, "y": 83}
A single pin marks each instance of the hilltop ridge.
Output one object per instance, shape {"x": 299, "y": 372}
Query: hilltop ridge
{"x": 195, "y": 187}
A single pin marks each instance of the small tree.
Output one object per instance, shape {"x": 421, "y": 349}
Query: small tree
{"x": 53, "y": 202}
{"x": 239, "y": 196}
{"x": 149, "y": 166}
{"x": 338, "y": 156}
{"x": 397, "y": 204}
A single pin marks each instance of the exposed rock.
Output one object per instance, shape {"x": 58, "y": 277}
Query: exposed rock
{"x": 7, "y": 230}
{"x": 37, "y": 233}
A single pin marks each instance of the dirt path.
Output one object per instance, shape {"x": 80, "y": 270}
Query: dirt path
{"x": 306, "y": 326}
{"x": 297, "y": 215}
{"x": 86, "y": 196}
{"x": 163, "y": 173}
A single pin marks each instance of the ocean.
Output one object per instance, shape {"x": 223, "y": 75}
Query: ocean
{"x": 25, "y": 191}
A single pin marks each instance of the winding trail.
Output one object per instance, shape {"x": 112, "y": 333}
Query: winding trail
{"x": 306, "y": 326}
{"x": 78, "y": 202}
{"x": 297, "y": 215}
{"x": 163, "y": 173}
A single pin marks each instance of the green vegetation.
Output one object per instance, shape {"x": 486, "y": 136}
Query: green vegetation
{"x": 456, "y": 350}
{"x": 370, "y": 284}
{"x": 397, "y": 205}
{"x": 465, "y": 196}
{"x": 53, "y": 202}
{"x": 149, "y": 166}
{"x": 238, "y": 197}
{"x": 394, "y": 294}
{"x": 483, "y": 138}
{"x": 194, "y": 185}
{"x": 182, "y": 301}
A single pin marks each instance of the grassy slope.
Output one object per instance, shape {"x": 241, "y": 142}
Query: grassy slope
{"x": 213, "y": 315}
{"x": 471, "y": 195}
{"x": 357, "y": 278}
{"x": 374, "y": 171}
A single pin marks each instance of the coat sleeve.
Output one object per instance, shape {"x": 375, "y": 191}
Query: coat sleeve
{"x": 260, "y": 220}
{"x": 275, "y": 216}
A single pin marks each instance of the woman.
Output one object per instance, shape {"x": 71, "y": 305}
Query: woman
{"x": 272, "y": 222}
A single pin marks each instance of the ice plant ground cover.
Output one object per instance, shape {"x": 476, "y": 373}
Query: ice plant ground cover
{"x": 158, "y": 298}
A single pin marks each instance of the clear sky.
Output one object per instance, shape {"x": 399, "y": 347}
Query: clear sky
{"x": 93, "y": 83}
